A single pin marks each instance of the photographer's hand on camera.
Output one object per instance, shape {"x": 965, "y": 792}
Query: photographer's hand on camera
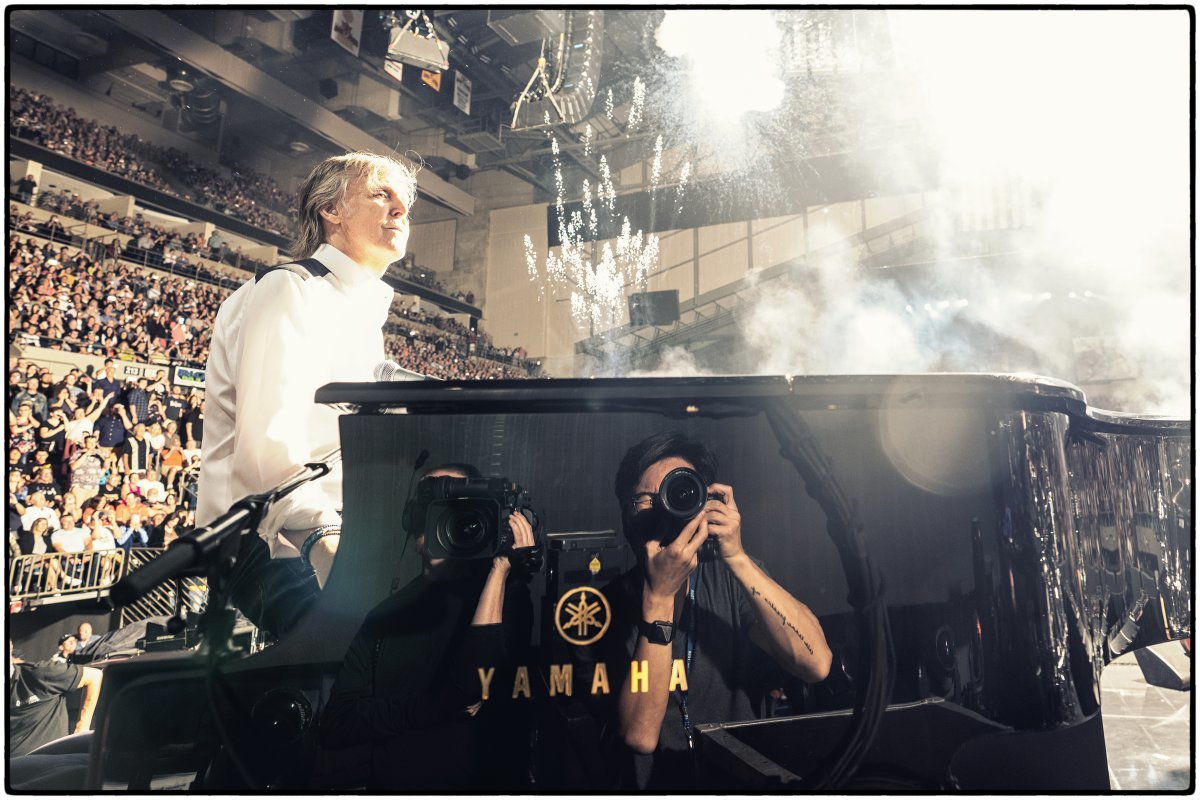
{"x": 491, "y": 599}
{"x": 724, "y": 521}
{"x": 668, "y": 567}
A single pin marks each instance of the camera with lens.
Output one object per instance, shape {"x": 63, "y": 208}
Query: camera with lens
{"x": 681, "y": 496}
{"x": 467, "y": 517}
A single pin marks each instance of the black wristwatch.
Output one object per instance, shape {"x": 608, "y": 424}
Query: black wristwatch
{"x": 657, "y": 632}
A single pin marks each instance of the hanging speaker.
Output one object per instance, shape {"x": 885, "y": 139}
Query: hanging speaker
{"x": 654, "y": 308}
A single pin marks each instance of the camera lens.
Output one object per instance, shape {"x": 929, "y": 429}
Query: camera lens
{"x": 682, "y": 493}
{"x": 463, "y": 531}
{"x": 465, "y": 528}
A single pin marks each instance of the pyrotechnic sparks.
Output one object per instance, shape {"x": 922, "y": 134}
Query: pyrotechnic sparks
{"x": 589, "y": 210}
{"x": 684, "y": 173}
{"x": 607, "y": 192}
{"x": 638, "y": 104}
{"x": 531, "y": 258}
{"x": 597, "y": 286}
{"x": 656, "y": 164}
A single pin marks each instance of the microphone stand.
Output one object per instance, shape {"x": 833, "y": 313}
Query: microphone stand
{"x": 209, "y": 551}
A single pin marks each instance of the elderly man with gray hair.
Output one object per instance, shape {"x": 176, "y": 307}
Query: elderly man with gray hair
{"x": 277, "y": 339}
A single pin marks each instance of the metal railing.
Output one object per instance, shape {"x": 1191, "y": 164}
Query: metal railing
{"x": 192, "y": 592}
{"x": 36, "y": 580}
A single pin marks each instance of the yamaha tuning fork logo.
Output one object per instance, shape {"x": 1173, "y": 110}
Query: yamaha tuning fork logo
{"x": 582, "y": 615}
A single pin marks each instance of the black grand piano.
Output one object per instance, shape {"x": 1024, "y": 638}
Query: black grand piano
{"x": 978, "y": 548}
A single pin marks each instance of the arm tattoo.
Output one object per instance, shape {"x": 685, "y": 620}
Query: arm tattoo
{"x": 783, "y": 620}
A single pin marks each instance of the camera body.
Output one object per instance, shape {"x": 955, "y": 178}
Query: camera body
{"x": 681, "y": 496}
{"x": 467, "y": 518}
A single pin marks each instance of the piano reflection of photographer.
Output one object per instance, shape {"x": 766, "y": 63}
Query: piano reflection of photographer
{"x": 408, "y": 711}
{"x": 695, "y": 599}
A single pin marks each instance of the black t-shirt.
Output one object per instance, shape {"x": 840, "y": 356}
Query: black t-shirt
{"x": 412, "y": 670}
{"x": 176, "y": 406}
{"x": 195, "y": 418}
{"x": 726, "y": 681}
{"x": 31, "y": 467}
{"x": 50, "y": 490}
{"x": 37, "y": 713}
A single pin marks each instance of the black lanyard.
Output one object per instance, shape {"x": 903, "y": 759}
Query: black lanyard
{"x": 690, "y": 613}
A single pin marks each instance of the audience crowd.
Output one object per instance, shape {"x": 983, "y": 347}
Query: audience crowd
{"x": 244, "y": 194}
{"x": 61, "y": 298}
{"x": 148, "y": 244}
{"x": 97, "y": 465}
{"x": 452, "y": 350}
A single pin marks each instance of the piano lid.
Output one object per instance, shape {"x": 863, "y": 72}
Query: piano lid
{"x": 707, "y": 393}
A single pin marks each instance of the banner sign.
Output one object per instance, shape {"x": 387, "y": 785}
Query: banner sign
{"x": 189, "y": 376}
{"x": 462, "y": 92}
{"x": 347, "y": 29}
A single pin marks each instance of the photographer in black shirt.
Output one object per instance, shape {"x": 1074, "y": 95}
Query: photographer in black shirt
{"x": 424, "y": 699}
{"x": 704, "y": 620}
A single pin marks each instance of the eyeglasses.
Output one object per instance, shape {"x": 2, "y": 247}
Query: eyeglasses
{"x": 642, "y": 500}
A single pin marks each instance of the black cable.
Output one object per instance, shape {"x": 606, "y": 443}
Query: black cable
{"x": 798, "y": 445}
{"x": 210, "y": 680}
{"x": 412, "y": 486}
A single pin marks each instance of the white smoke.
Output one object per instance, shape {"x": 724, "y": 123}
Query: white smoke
{"x": 1082, "y": 119}
{"x": 837, "y": 323}
{"x": 674, "y": 362}
{"x": 1069, "y": 128}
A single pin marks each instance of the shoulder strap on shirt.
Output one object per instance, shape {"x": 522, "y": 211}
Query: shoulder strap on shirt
{"x": 304, "y": 268}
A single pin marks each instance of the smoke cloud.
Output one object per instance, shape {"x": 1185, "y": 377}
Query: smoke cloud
{"x": 1079, "y": 122}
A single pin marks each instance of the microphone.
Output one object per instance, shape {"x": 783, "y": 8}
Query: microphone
{"x": 387, "y": 371}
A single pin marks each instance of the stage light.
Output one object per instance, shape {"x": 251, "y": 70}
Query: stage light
{"x": 425, "y": 51}
{"x": 181, "y": 79}
{"x": 710, "y": 41}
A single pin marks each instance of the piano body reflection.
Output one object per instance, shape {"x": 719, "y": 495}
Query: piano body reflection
{"x": 1021, "y": 539}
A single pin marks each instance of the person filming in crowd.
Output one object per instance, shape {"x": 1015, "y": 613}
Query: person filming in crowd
{"x": 713, "y": 608}
{"x": 276, "y": 340}
{"x": 409, "y": 690}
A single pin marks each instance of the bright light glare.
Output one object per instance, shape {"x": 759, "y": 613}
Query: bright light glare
{"x": 721, "y": 48}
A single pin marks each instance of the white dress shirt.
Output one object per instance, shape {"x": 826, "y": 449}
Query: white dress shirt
{"x": 274, "y": 343}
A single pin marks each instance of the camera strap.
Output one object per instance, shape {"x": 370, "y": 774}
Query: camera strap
{"x": 690, "y": 613}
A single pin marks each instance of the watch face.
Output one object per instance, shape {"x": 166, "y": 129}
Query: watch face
{"x": 658, "y": 632}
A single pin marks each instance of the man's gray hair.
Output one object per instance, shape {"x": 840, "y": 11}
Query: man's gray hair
{"x": 325, "y": 187}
